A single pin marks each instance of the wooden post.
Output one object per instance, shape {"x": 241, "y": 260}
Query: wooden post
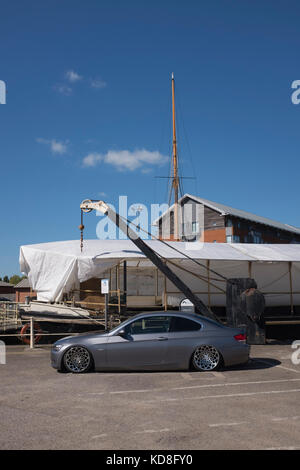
{"x": 156, "y": 284}
{"x": 125, "y": 282}
{"x": 208, "y": 280}
{"x": 106, "y": 312}
{"x": 119, "y": 301}
{"x": 250, "y": 269}
{"x": 165, "y": 293}
{"x": 31, "y": 333}
{"x": 118, "y": 276}
{"x": 291, "y": 288}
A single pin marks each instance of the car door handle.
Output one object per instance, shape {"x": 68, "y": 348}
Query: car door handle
{"x": 162, "y": 338}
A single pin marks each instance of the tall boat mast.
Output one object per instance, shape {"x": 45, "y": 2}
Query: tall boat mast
{"x": 175, "y": 179}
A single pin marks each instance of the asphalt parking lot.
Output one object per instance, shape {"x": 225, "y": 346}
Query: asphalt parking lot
{"x": 255, "y": 406}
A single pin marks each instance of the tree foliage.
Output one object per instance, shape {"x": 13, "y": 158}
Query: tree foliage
{"x": 15, "y": 279}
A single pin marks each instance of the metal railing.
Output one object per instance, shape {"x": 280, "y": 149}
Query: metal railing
{"x": 35, "y": 333}
{"x": 9, "y": 316}
{"x": 29, "y": 329}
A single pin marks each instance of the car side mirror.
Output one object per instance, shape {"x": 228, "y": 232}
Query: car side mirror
{"x": 122, "y": 333}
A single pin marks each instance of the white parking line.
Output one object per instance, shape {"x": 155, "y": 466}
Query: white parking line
{"x": 226, "y": 384}
{"x": 278, "y": 419}
{"x": 286, "y": 418}
{"x": 150, "y": 431}
{"x": 189, "y": 387}
{"x": 226, "y": 424}
{"x": 232, "y": 395}
{"x": 137, "y": 391}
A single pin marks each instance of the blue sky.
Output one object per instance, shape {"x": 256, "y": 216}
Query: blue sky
{"x": 93, "y": 79}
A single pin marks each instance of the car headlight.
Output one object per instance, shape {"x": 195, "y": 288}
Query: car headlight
{"x": 57, "y": 347}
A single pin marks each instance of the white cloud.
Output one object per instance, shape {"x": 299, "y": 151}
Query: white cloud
{"x": 73, "y": 76}
{"x": 58, "y": 147}
{"x": 92, "y": 159}
{"x": 97, "y": 83}
{"x": 63, "y": 89}
{"x": 55, "y": 145}
{"x": 124, "y": 160}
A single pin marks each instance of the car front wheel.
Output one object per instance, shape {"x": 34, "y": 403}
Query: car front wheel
{"x": 206, "y": 358}
{"x": 77, "y": 360}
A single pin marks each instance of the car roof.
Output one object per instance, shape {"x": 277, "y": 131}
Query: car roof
{"x": 172, "y": 313}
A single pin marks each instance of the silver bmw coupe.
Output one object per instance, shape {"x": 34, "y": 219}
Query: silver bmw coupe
{"x": 154, "y": 341}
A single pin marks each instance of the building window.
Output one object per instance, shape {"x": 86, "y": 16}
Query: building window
{"x": 229, "y": 223}
{"x": 195, "y": 227}
{"x": 257, "y": 238}
{"x": 236, "y": 239}
{"x": 229, "y": 239}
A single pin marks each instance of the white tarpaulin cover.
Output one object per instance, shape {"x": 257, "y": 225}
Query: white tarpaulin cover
{"x": 55, "y": 268}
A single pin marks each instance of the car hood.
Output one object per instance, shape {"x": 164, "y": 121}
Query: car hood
{"x": 83, "y": 336}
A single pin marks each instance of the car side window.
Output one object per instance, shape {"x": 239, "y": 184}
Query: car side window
{"x": 184, "y": 324}
{"x": 149, "y": 325}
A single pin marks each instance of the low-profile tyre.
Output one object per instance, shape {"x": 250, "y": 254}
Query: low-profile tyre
{"x": 206, "y": 358}
{"x": 78, "y": 360}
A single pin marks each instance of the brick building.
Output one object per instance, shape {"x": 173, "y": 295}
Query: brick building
{"x": 23, "y": 290}
{"x": 200, "y": 219}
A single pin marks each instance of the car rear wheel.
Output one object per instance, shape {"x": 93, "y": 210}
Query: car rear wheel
{"x": 77, "y": 360}
{"x": 206, "y": 358}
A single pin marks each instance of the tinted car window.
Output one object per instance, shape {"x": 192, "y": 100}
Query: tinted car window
{"x": 184, "y": 324}
{"x": 149, "y": 325}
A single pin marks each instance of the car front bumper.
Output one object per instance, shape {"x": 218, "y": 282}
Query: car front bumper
{"x": 56, "y": 358}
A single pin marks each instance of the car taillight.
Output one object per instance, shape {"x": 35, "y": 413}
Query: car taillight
{"x": 241, "y": 337}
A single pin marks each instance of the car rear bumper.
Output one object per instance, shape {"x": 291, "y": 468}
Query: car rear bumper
{"x": 238, "y": 354}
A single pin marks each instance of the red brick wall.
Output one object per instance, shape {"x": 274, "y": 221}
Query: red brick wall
{"x": 21, "y": 294}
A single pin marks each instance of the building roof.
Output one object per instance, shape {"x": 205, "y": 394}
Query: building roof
{"x": 227, "y": 210}
{"x": 24, "y": 283}
{"x": 5, "y": 284}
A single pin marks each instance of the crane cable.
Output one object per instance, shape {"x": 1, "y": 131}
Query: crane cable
{"x": 178, "y": 251}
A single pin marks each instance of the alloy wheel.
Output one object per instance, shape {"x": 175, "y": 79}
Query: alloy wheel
{"x": 77, "y": 360}
{"x": 206, "y": 358}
